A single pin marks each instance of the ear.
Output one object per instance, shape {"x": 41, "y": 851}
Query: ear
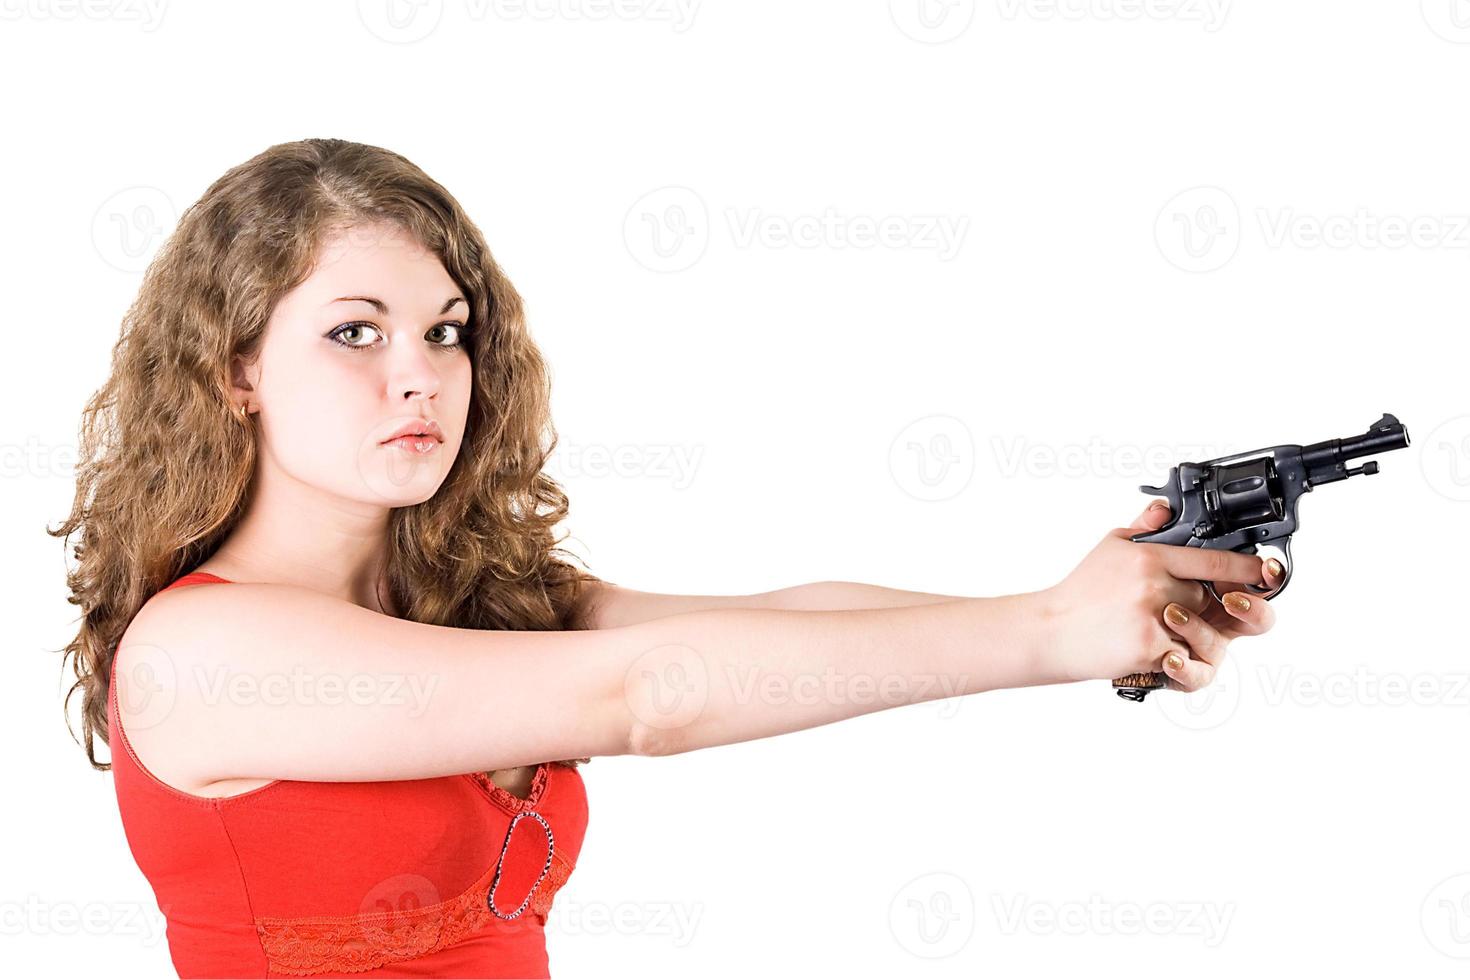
{"x": 243, "y": 378}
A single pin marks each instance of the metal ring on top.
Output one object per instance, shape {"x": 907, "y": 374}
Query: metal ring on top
{"x": 499, "y": 865}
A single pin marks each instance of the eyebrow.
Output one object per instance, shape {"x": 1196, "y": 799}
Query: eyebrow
{"x": 382, "y": 307}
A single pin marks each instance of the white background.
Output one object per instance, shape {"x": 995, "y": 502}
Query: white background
{"x": 1178, "y": 228}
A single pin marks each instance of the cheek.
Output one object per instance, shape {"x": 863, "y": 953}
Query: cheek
{"x": 316, "y": 411}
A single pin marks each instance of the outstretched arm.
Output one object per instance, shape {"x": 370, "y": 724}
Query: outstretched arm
{"x": 605, "y": 605}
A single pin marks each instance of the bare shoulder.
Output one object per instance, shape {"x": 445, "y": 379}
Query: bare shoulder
{"x": 220, "y": 683}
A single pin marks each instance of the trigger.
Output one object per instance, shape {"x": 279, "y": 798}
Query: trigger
{"x": 1284, "y": 558}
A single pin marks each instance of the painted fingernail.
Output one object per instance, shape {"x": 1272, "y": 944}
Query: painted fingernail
{"x": 1175, "y": 614}
{"x": 1173, "y": 661}
{"x": 1274, "y": 567}
{"x": 1237, "y": 602}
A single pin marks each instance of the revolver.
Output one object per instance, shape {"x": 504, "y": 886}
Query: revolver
{"x": 1248, "y": 500}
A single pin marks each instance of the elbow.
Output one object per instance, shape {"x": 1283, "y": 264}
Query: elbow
{"x": 650, "y": 740}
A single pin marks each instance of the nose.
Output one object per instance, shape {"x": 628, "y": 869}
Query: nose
{"x": 412, "y": 377}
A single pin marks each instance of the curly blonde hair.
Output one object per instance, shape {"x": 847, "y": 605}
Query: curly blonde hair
{"x": 165, "y": 464}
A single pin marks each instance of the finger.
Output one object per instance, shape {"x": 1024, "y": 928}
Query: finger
{"x": 1209, "y": 564}
{"x": 1154, "y": 516}
{"x": 1252, "y": 614}
{"x": 1274, "y": 576}
{"x": 1196, "y": 669}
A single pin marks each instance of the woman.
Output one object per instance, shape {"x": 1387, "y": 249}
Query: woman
{"x": 325, "y": 399}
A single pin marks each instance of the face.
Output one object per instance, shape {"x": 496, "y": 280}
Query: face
{"x": 338, "y": 374}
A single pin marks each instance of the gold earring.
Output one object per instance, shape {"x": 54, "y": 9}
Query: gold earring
{"x": 245, "y": 412}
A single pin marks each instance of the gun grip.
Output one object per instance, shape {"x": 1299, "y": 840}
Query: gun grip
{"x": 1135, "y": 687}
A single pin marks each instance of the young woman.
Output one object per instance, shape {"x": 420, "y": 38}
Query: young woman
{"x": 330, "y": 642}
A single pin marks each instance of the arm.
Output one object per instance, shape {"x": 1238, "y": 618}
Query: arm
{"x": 604, "y": 605}
{"x": 273, "y": 681}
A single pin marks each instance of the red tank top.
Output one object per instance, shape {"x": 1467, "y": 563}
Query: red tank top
{"x": 374, "y": 879}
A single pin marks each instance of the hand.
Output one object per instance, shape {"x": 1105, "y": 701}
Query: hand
{"x": 1106, "y": 618}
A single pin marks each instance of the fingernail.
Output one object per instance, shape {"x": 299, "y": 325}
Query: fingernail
{"x": 1158, "y": 505}
{"x": 1175, "y": 614}
{"x": 1174, "y": 662}
{"x": 1274, "y": 567}
{"x": 1237, "y": 602}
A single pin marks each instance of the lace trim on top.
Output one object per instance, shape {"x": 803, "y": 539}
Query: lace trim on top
{"x": 354, "y": 943}
{"x": 509, "y": 800}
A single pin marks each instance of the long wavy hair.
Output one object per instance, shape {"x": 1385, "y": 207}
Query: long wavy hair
{"x": 165, "y": 464}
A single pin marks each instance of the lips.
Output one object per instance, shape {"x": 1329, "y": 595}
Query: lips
{"x": 417, "y": 428}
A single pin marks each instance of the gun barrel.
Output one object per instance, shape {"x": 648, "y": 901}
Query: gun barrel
{"x": 1324, "y": 460}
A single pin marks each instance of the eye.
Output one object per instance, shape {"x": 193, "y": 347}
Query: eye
{"x": 345, "y": 329}
{"x": 460, "y": 333}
